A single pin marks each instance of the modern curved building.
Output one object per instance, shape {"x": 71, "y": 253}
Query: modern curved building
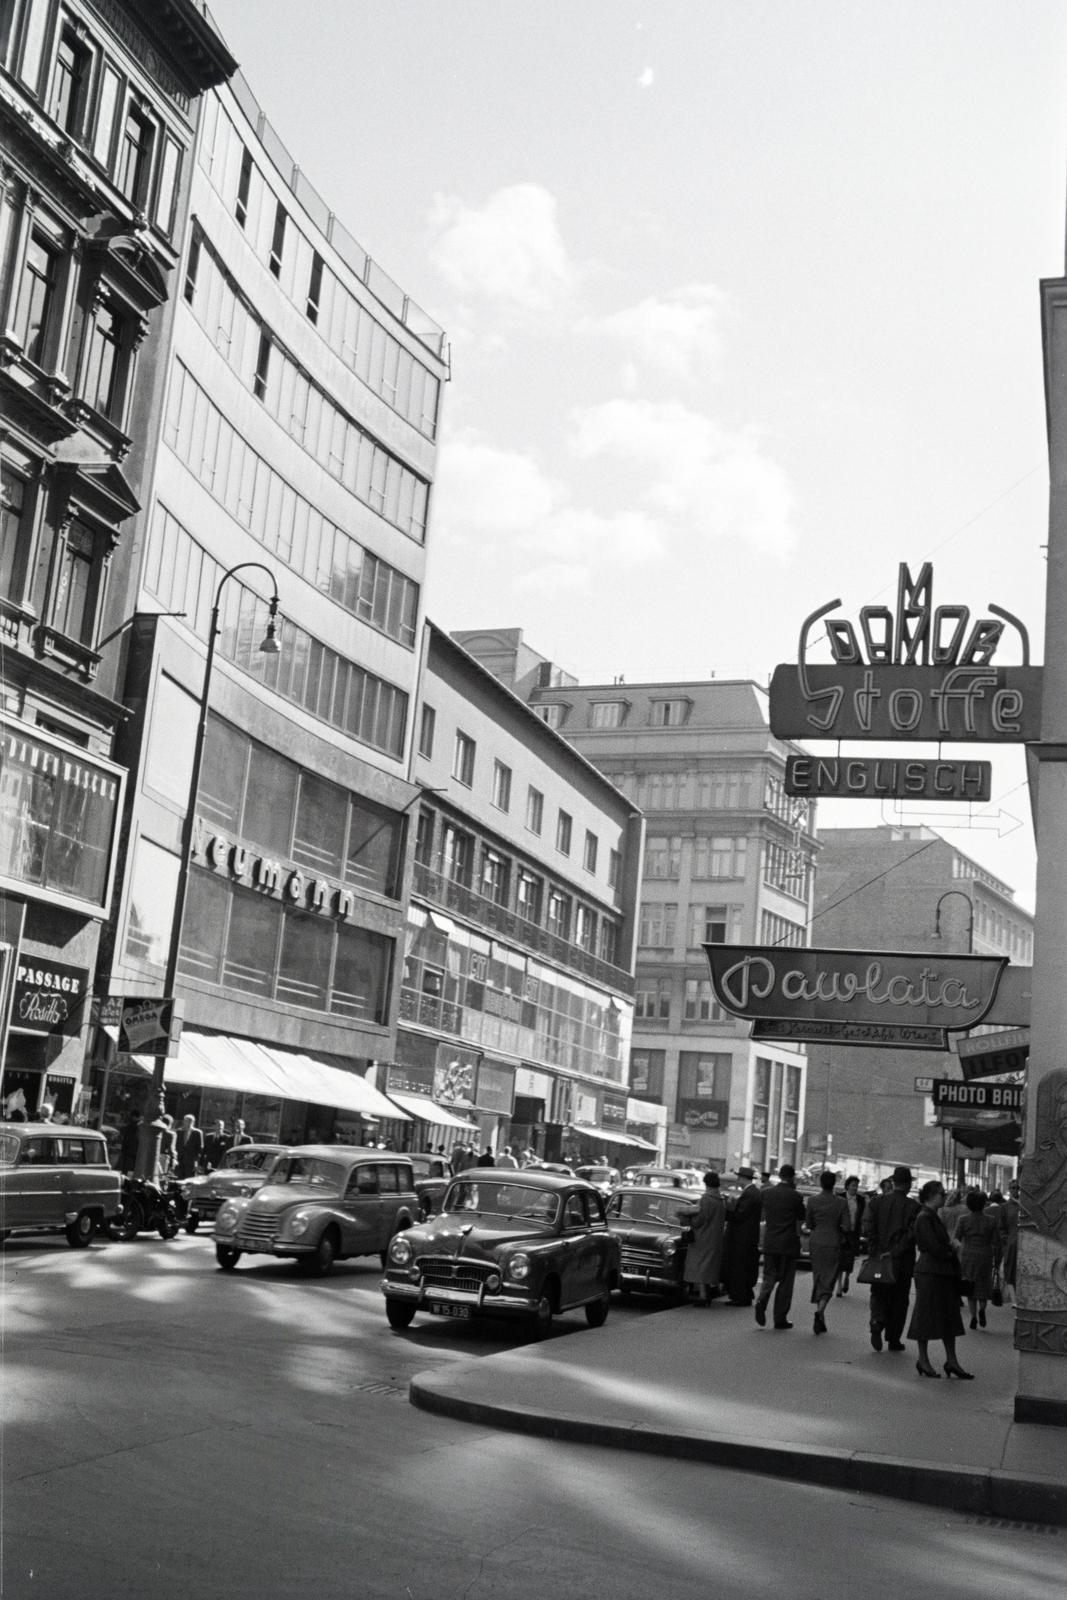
{"x": 300, "y": 404}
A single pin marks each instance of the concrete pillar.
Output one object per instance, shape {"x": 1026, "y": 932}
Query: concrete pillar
{"x": 1041, "y": 1317}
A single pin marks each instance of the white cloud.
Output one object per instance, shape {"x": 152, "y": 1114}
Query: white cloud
{"x": 691, "y": 472}
{"x": 678, "y": 334}
{"x": 647, "y": 79}
{"x": 510, "y": 250}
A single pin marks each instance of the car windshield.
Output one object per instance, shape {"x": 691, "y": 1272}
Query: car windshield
{"x": 649, "y": 1206}
{"x": 244, "y": 1160}
{"x": 310, "y": 1171}
{"x": 518, "y": 1201}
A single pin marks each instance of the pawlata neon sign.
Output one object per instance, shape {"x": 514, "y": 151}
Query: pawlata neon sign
{"x": 918, "y": 672}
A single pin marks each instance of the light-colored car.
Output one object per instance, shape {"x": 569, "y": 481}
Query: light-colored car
{"x": 601, "y": 1177}
{"x": 241, "y": 1172}
{"x": 525, "y": 1245}
{"x": 667, "y": 1178}
{"x": 55, "y": 1177}
{"x": 323, "y": 1203}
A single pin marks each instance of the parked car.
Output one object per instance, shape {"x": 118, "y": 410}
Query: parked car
{"x": 603, "y": 1178}
{"x": 432, "y": 1177}
{"x": 56, "y": 1178}
{"x": 322, "y": 1203}
{"x": 648, "y": 1222}
{"x": 242, "y": 1171}
{"x": 668, "y": 1178}
{"x": 527, "y": 1245}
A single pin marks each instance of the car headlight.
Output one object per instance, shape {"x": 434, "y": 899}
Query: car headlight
{"x": 518, "y": 1267}
{"x": 298, "y": 1224}
{"x": 400, "y": 1251}
{"x": 245, "y": 1189}
{"x": 668, "y": 1249}
{"x": 228, "y": 1214}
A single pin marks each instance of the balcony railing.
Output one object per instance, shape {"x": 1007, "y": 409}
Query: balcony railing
{"x": 453, "y": 896}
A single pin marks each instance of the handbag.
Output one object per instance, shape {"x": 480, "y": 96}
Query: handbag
{"x": 997, "y": 1297}
{"x": 877, "y": 1269}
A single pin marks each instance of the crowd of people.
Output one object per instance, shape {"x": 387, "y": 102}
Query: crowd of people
{"x": 953, "y": 1247}
{"x": 185, "y": 1151}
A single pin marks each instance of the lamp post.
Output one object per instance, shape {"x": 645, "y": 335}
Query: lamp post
{"x": 970, "y": 916}
{"x": 151, "y": 1128}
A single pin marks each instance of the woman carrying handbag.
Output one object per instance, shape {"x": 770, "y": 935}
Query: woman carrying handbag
{"x": 937, "y": 1287}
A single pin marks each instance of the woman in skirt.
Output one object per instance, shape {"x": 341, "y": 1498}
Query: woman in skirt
{"x": 977, "y": 1239}
{"x": 827, "y": 1219}
{"x": 937, "y": 1287}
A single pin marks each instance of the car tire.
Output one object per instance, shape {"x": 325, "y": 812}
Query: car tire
{"x": 80, "y": 1232}
{"x": 132, "y": 1221}
{"x": 191, "y": 1224}
{"x": 541, "y": 1323}
{"x": 320, "y": 1263}
{"x": 227, "y": 1257}
{"x": 399, "y": 1313}
{"x": 596, "y": 1312}
{"x": 168, "y": 1227}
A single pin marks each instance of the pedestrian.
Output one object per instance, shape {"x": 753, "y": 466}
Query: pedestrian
{"x": 129, "y": 1143}
{"x": 857, "y": 1205}
{"x": 937, "y": 1287}
{"x": 703, "y": 1258}
{"x": 891, "y": 1232}
{"x": 240, "y": 1136}
{"x": 507, "y": 1159}
{"x": 216, "y": 1145}
{"x": 47, "y": 1111}
{"x": 976, "y": 1240}
{"x": 189, "y": 1147}
{"x": 826, "y": 1214}
{"x": 954, "y": 1208}
{"x": 740, "y": 1266}
{"x": 783, "y": 1213}
{"x": 1010, "y": 1228}
{"x": 486, "y": 1158}
{"x": 168, "y": 1147}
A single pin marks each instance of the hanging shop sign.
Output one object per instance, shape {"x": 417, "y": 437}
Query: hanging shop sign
{"x": 149, "y": 1026}
{"x": 994, "y": 1053}
{"x": 454, "y": 1075}
{"x": 952, "y": 1095}
{"x": 857, "y": 778}
{"x": 853, "y": 996}
{"x": 48, "y": 997}
{"x": 920, "y": 672}
{"x": 613, "y": 1112}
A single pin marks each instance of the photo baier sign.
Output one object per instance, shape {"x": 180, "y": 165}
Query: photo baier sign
{"x": 853, "y": 996}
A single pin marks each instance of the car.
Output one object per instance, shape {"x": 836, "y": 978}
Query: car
{"x": 601, "y": 1177}
{"x": 242, "y": 1171}
{"x": 668, "y": 1178}
{"x": 322, "y": 1203}
{"x": 56, "y": 1178}
{"x": 559, "y": 1167}
{"x": 525, "y": 1245}
{"x": 432, "y": 1177}
{"x": 649, "y": 1223}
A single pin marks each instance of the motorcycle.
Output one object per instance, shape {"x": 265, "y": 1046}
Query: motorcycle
{"x": 146, "y": 1206}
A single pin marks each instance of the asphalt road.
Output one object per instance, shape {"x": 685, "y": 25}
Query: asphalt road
{"x": 170, "y": 1430}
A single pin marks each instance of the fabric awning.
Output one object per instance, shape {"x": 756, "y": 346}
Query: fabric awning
{"x": 615, "y": 1138}
{"x": 427, "y": 1110}
{"x": 997, "y": 1138}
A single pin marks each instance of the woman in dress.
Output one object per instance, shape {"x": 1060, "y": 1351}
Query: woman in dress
{"x": 936, "y": 1314}
{"x": 826, "y": 1215}
{"x": 703, "y": 1258}
{"x": 856, "y": 1207}
{"x": 977, "y": 1239}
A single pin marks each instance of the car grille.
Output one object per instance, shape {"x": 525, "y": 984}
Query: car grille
{"x": 441, "y": 1272}
{"x": 635, "y": 1259}
{"x": 207, "y": 1205}
{"x": 257, "y": 1230}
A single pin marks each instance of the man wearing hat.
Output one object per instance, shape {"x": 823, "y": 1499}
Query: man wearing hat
{"x": 891, "y": 1232}
{"x": 740, "y": 1267}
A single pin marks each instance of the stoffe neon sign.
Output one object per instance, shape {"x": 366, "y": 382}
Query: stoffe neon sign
{"x": 853, "y": 996}
{"x": 920, "y": 672}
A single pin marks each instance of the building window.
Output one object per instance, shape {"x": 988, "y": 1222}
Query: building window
{"x": 135, "y": 156}
{"x": 535, "y": 810}
{"x": 609, "y": 941}
{"x": 552, "y": 714}
{"x": 564, "y": 826}
{"x": 314, "y": 295}
{"x": 663, "y": 856}
{"x": 723, "y": 791}
{"x": 495, "y": 877}
{"x": 501, "y": 786}
{"x": 457, "y": 855}
{"x": 786, "y": 869}
{"x": 614, "y": 868}
{"x": 277, "y": 243}
{"x": 37, "y": 298}
{"x": 259, "y": 382}
{"x": 608, "y": 713}
{"x": 714, "y": 925}
{"x": 70, "y": 85}
{"x": 71, "y": 608}
{"x": 463, "y": 760}
{"x": 657, "y": 924}
{"x": 559, "y": 914}
{"x": 427, "y": 725}
{"x": 704, "y": 1091}
{"x": 191, "y": 270}
{"x": 720, "y": 856}
{"x": 585, "y": 928}
{"x": 167, "y": 188}
{"x": 244, "y": 184}
{"x": 669, "y": 713}
{"x": 424, "y": 836}
{"x": 646, "y": 1074}
{"x": 780, "y": 930}
{"x": 528, "y": 896}
{"x": 589, "y": 858}
{"x": 101, "y": 388}
{"x": 760, "y": 1145}
{"x": 700, "y": 1002}
{"x": 14, "y": 499}
{"x": 652, "y": 1000}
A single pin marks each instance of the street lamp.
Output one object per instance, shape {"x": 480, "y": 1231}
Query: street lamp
{"x": 148, "y": 1152}
{"x": 970, "y": 916}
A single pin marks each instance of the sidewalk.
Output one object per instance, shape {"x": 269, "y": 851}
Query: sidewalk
{"x": 708, "y": 1385}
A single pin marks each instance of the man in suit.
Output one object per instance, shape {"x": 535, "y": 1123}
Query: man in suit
{"x": 189, "y": 1147}
{"x": 215, "y": 1146}
{"x": 740, "y": 1267}
{"x": 891, "y": 1232}
{"x": 783, "y": 1213}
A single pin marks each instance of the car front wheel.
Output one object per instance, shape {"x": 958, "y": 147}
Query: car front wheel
{"x": 596, "y": 1312}
{"x": 399, "y": 1313}
{"x": 542, "y": 1320}
{"x": 81, "y": 1230}
{"x": 320, "y": 1263}
{"x": 192, "y": 1222}
{"x": 227, "y": 1257}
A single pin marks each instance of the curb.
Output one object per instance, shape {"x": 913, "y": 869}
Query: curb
{"x": 973, "y": 1490}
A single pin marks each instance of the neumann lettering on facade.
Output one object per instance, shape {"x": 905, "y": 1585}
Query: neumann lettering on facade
{"x": 921, "y": 672}
{"x": 277, "y": 879}
{"x": 855, "y": 777}
{"x": 862, "y": 996}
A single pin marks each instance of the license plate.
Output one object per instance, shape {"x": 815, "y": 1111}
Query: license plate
{"x": 439, "y": 1308}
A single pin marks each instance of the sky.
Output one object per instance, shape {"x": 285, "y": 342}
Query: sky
{"x": 743, "y": 307}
